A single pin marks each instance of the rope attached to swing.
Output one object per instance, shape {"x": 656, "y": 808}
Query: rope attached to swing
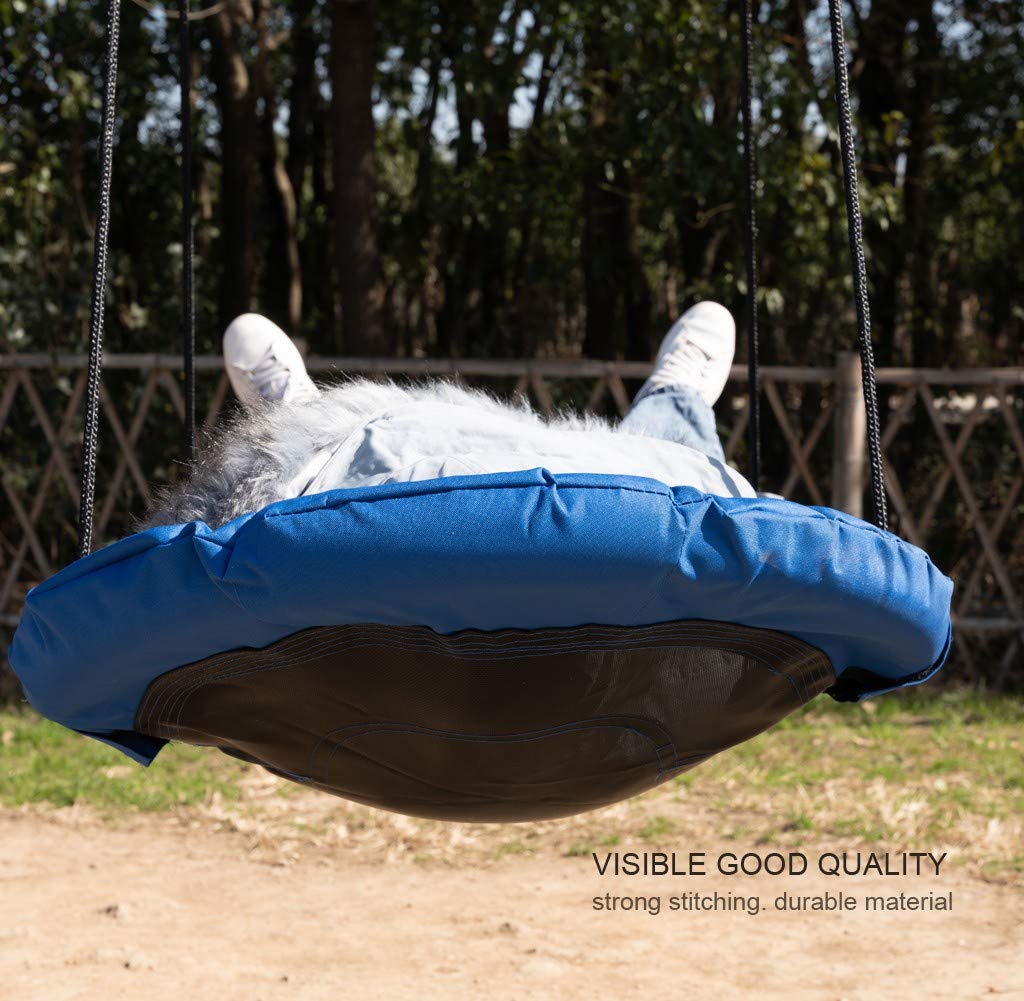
{"x": 188, "y": 311}
{"x": 857, "y": 256}
{"x": 90, "y": 434}
{"x": 750, "y": 163}
{"x": 855, "y": 229}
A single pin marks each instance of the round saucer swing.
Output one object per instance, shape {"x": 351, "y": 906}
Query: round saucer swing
{"x": 502, "y": 647}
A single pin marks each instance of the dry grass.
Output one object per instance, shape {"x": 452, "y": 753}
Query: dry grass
{"x": 939, "y": 773}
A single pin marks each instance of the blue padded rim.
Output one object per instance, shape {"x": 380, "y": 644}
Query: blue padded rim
{"x": 506, "y": 550}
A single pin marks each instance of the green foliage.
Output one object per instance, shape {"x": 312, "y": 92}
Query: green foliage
{"x": 481, "y": 194}
{"x": 49, "y": 119}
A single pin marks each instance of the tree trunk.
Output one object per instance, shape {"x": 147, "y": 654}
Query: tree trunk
{"x": 282, "y": 277}
{"x": 304, "y": 96}
{"x": 929, "y": 346}
{"x": 600, "y": 269}
{"x": 529, "y": 259}
{"x": 637, "y": 296}
{"x": 320, "y": 294}
{"x": 282, "y": 283}
{"x": 617, "y": 291}
{"x": 237, "y": 105}
{"x": 879, "y": 85}
{"x": 456, "y": 257}
{"x": 356, "y": 257}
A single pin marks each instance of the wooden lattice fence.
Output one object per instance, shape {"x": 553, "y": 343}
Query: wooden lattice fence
{"x": 953, "y": 442}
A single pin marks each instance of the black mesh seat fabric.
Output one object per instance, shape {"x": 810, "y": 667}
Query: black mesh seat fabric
{"x": 488, "y": 726}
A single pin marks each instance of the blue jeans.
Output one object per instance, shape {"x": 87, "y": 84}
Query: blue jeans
{"x": 676, "y": 413}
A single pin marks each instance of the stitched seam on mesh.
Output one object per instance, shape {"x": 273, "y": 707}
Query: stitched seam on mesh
{"x": 772, "y": 643}
{"x": 302, "y": 651}
{"x": 528, "y": 734}
{"x": 563, "y": 728}
{"x": 305, "y": 646}
{"x": 185, "y": 696}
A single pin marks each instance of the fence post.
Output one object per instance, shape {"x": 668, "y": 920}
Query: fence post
{"x": 850, "y": 459}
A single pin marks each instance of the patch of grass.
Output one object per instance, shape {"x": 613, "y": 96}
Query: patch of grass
{"x": 740, "y": 832}
{"x": 582, "y": 849}
{"x": 943, "y": 765}
{"x": 41, "y": 762}
{"x": 888, "y": 771}
{"x": 657, "y": 827}
{"x": 511, "y": 848}
{"x": 799, "y": 822}
{"x": 1003, "y": 867}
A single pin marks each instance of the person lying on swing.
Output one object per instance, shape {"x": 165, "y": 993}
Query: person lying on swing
{"x": 294, "y": 438}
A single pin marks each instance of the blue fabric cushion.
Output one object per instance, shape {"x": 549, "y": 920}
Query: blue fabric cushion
{"x": 509, "y": 550}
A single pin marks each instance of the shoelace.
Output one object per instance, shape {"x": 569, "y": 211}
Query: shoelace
{"x": 270, "y": 377}
{"x": 687, "y": 360}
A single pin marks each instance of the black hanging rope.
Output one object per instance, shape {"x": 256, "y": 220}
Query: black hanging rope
{"x": 90, "y": 434}
{"x": 750, "y": 162}
{"x": 859, "y": 265}
{"x": 188, "y": 312}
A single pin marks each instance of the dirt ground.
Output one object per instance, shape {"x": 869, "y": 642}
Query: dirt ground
{"x": 164, "y": 907}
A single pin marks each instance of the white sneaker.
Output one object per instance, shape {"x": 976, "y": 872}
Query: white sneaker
{"x": 696, "y": 352}
{"x": 263, "y": 363}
